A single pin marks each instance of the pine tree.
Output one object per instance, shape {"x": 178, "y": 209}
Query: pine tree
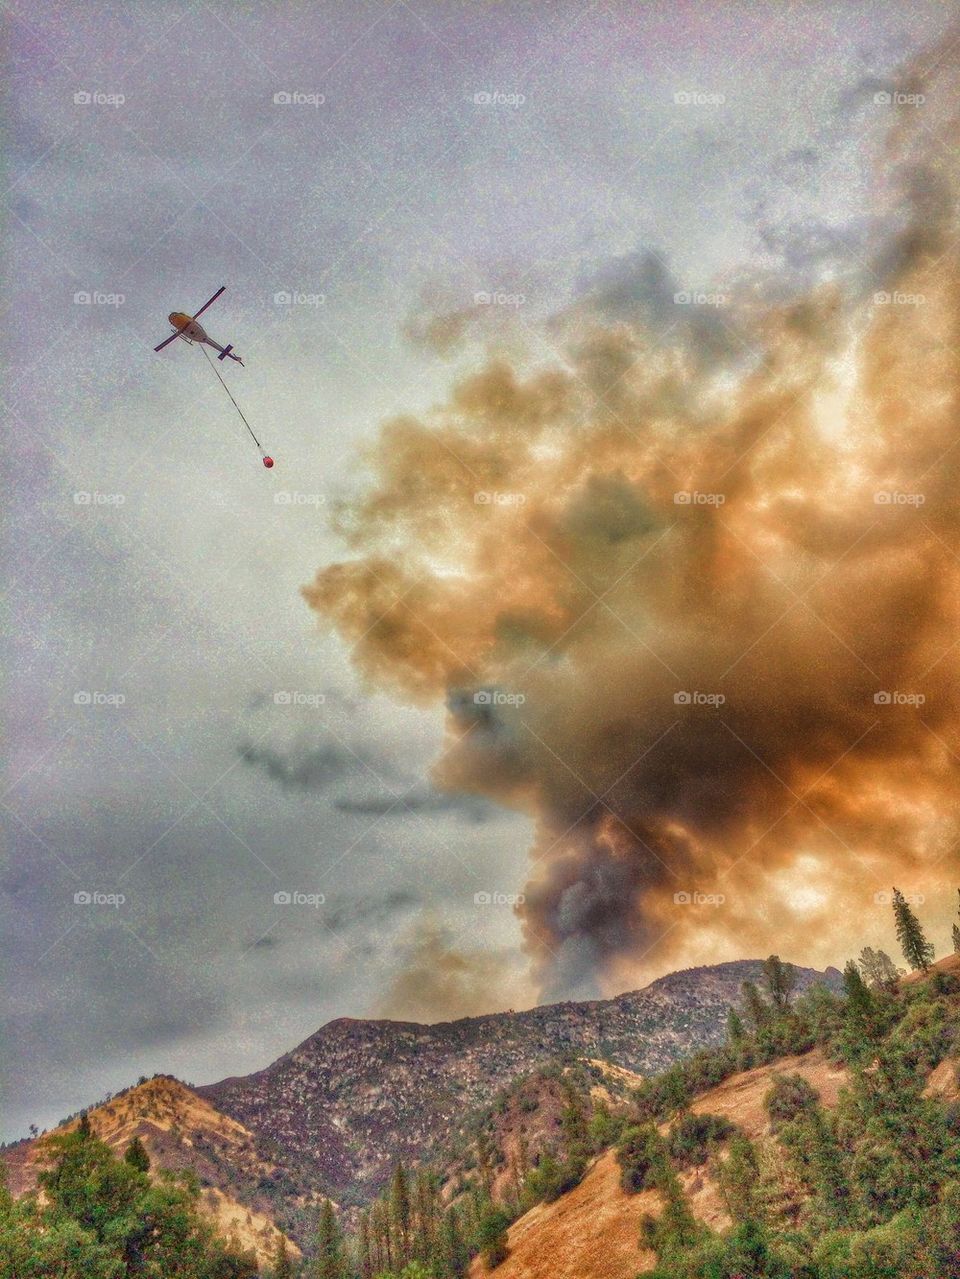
{"x": 676, "y": 1228}
{"x": 757, "y": 1010}
{"x": 917, "y": 951}
{"x": 424, "y": 1218}
{"x": 485, "y": 1163}
{"x": 364, "y": 1258}
{"x": 828, "y": 1174}
{"x": 859, "y": 1027}
{"x": 400, "y": 1216}
{"x": 83, "y": 1128}
{"x": 642, "y": 1156}
{"x": 603, "y": 1128}
{"x": 736, "y": 1033}
{"x": 573, "y": 1119}
{"x": 492, "y": 1236}
{"x": 471, "y": 1206}
{"x": 454, "y": 1253}
{"x": 738, "y": 1178}
{"x": 380, "y": 1236}
{"x": 781, "y": 1194}
{"x": 282, "y": 1265}
{"x": 136, "y": 1156}
{"x": 781, "y": 981}
{"x": 878, "y": 968}
{"x": 330, "y": 1260}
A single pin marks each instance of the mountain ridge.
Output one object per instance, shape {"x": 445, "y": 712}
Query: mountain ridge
{"x": 335, "y": 1113}
{"x": 359, "y": 1094}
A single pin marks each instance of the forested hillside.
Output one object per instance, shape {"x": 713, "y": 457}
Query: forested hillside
{"x": 819, "y": 1140}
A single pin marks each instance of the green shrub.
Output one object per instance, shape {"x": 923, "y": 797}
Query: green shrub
{"x": 790, "y": 1097}
{"x": 926, "y": 1032}
{"x": 692, "y": 1137}
{"x": 492, "y": 1237}
{"x": 642, "y": 1158}
{"x": 552, "y": 1178}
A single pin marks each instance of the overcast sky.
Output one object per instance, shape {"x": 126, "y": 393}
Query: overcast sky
{"x": 182, "y": 735}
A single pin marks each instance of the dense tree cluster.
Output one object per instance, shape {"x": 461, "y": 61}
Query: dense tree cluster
{"x": 867, "y": 1190}
{"x": 101, "y": 1217}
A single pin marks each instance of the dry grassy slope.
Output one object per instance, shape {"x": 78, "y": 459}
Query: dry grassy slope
{"x": 740, "y": 1098}
{"x": 944, "y": 1082}
{"x": 949, "y": 964}
{"x": 179, "y": 1130}
{"x": 252, "y": 1230}
{"x": 617, "y": 1075}
{"x": 592, "y": 1232}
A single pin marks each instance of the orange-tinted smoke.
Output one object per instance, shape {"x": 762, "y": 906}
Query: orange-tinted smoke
{"x": 699, "y": 616}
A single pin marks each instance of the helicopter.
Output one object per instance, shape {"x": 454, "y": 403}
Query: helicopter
{"x": 186, "y": 326}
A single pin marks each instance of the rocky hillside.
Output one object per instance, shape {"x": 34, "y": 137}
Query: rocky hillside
{"x": 355, "y": 1097}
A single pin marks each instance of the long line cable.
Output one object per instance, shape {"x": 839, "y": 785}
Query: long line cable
{"x": 232, "y": 400}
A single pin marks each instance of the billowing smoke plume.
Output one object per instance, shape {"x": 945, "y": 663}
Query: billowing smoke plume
{"x": 691, "y": 593}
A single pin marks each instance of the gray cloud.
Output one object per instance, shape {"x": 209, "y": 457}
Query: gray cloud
{"x": 421, "y": 799}
{"x": 366, "y": 912}
{"x": 303, "y": 767}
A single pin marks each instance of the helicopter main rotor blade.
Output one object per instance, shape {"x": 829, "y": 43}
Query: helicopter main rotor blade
{"x": 210, "y": 301}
